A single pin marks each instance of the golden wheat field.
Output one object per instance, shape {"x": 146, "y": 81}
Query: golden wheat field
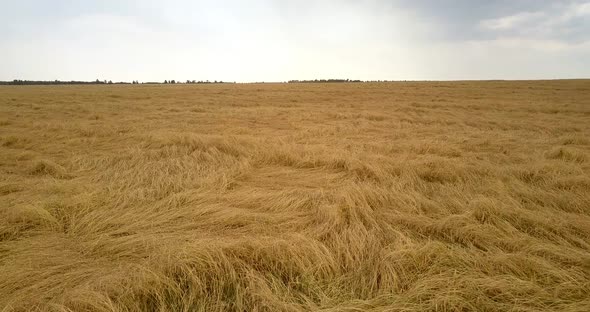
{"x": 415, "y": 196}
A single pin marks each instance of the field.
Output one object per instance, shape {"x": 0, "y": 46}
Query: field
{"x": 415, "y": 196}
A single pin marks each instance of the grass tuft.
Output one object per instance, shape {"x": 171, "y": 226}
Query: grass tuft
{"x": 43, "y": 167}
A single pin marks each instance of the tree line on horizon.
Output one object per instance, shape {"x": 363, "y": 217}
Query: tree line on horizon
{"x": 97, "y": 81}
{"x": 172, "y": 81}
{"x": 324, "y": 81}
{"x": 57, "y": 82}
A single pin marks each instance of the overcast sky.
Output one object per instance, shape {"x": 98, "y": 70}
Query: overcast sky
{"x": 278, "y": 40}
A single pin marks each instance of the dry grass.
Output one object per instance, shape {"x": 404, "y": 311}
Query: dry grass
{"x": 464, "y": 196}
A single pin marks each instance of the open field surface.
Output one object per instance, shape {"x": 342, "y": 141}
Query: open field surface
{"x": 458, "y": 196}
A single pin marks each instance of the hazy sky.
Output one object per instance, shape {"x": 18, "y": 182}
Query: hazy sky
{"x": 274, "y": 40}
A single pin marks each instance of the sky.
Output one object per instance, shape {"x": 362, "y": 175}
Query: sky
{"x": 279, "y": 40}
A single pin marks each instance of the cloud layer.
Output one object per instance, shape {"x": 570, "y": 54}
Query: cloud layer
{"x": 271, "y": 40}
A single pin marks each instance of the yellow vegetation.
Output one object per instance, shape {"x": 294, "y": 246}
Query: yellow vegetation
{"x": 462, "y": 196}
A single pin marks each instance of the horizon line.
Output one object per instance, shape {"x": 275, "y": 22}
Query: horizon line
{"x": 292, "y": 81}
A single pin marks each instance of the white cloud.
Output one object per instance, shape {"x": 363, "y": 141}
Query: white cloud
{"x": 578, "y": 10}
{"x": 513, "y": 21}
{"x": 542, "y": 22}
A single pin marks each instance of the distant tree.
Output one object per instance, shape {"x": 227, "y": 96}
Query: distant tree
{"x": 165, "y": 81}
{"x": 173, "y": 81}
{"x": 110, "y": 82}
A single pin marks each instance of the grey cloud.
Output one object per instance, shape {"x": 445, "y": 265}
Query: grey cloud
{"x": 566, "y": 20}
